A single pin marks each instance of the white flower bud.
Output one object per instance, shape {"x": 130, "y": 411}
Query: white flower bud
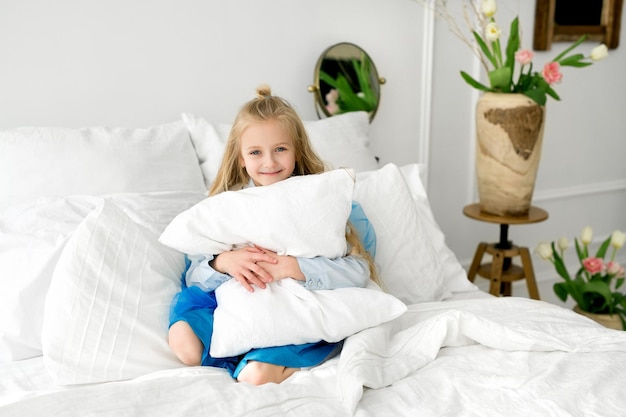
{"x": 617, "y": 239}
{"x": 489, "y": 7}
{"x": 599, "y": 52}
{"x": 586, "y": 235}
{"x": 563, "y": 243}
{"x": 492, "y": 32}
{"x": 544, "y": 250}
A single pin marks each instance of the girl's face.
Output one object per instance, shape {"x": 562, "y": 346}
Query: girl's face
{"x": 267, "y": 153}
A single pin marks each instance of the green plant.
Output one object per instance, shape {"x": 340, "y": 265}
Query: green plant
{"x": 595, "y": 286}
{"x": 348, "y": 94}
{"x": 500, "y": 62}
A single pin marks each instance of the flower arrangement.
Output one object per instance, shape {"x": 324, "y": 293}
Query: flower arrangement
{"x": 595, "y": 286}
{"x": 500, "y": 62}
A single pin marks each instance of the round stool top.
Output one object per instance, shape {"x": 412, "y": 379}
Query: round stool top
{"x": 535, "y": 215}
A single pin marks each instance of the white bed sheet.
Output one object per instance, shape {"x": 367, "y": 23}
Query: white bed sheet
{"x": 453, "y": 358}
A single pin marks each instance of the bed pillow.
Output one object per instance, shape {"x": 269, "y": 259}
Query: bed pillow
{"x": 407, "y": 261}
{"x": 286, "y": 313}
{"x": 270, "y": 216}
{"x": 341, "y": 141}
{"x": 208, "y": 145}
{"x": 106, "y": 312}
{"x": 455, "y": 277}
{"x": 50, "y": 161}
{"x": 32, "y": 237}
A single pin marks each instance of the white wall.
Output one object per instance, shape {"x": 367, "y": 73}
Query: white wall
{"x": 137, "y": 63}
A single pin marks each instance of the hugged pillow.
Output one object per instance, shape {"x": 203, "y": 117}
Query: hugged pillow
{"x": 287, "y": 313}
{"x": 271, "y": 217}
{"x": 50, "y": 161}
{"x": 341, "y": 141}
{"x": 106, "y": 313}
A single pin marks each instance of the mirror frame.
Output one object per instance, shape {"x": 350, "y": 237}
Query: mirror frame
{"x": 320, "y": 102}
{"x": 547, "y": 31}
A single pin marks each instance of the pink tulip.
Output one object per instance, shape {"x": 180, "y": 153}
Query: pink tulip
{"x": 524, "y": 56}
{"x": 593, "y": 265}
{"x": 552, "y": 72}
{"x": 615, "y": 269}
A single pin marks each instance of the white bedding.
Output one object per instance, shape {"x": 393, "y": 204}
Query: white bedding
{"x": 456, "y": 351}
{"x": 453, "y": 358}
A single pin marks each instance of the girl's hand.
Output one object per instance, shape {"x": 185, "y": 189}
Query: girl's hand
{"x": 284, "y": 266}
{"x": 244, "y": 265}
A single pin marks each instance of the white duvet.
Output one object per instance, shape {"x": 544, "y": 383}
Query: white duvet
{"x": 478, "y": 357}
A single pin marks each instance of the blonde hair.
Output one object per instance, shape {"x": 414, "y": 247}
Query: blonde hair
{"x": 232, "y": 174}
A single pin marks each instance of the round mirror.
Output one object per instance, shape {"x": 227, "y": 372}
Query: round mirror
{"x": 345, "y": 80}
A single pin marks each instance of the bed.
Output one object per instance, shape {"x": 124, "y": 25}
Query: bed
{"x": 85, "y": 288}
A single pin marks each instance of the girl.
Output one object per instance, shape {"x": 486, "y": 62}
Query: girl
{"x": 267, "y": 144}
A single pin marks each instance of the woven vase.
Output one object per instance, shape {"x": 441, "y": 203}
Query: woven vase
{"x": 509, "y": 133}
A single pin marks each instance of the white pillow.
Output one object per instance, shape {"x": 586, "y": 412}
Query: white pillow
{"x": 32, "y": 237}
{"x": 271, "y": 217}
{"x": 106, "y": 313}
{"x": 209, "y": 147}
{"x": 286, "y": 313}
{"x": 49, "y": 161}
{"x": 408, "y": 263}
{"x": 341, "y": 141}
{"x": 455, "y": 277}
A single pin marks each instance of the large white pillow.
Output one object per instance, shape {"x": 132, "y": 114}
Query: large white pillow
{"x": 408, "y": 263}
{"x": 286, "y": 313}
{"x": 32, "y": 237}
{"x": 455, "y": 277}
{"x": 106, "y": 312}
{"x": 51, "y": 161}
{"x": 302, "y": 216}
{"x": 342, "y": 141}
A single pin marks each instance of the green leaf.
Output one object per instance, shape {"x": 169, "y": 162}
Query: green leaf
{"x": 537, "y": 95}
{"x": 599, "y": 290}
{"x": 560, "y": 289}
{"x": 468, "y": 79}
{"x": 603, "y": 247}
{"x": 574, "y": 61}
{"x": 512, "y": 44}
{"x": 483, "y": 47}
{"x": 500, "y": 79}
{"x": 574, "y": 45}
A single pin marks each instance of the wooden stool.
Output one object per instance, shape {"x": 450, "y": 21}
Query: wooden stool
{"x": 501, "y": 271}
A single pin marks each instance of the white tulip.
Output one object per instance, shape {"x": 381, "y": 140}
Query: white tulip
{"x": 544, "y": 250}
{"x": 586, "y": 235}
{"x": 599, "y": 52}
{"x": 618, "y": 238}
{"x": 492, "y": 32}
{"x": 489, "y": 7}
{"x": 563, "y": 243}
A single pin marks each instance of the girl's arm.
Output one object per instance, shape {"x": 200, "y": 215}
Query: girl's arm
{"x": 209, "y": 272}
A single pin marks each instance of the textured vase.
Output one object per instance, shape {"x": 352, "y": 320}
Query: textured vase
{"x": 509, "y": 133}
{"x": 612, "y": 321}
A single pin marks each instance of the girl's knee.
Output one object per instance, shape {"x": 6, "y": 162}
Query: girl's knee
{"x": 259, "y": 373}
{"x": 185, "y": 344}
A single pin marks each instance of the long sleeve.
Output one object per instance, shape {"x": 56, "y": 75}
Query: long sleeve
{"x": 202, "y": 275}
{"x": 349, "y": 271}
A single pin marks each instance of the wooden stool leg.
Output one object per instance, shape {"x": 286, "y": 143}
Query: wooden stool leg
{"x": 478, "y": 257}
{"x": 496, "y": 273}
{"x": 507, "y": 289}
{"x": 529, "y": 272}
